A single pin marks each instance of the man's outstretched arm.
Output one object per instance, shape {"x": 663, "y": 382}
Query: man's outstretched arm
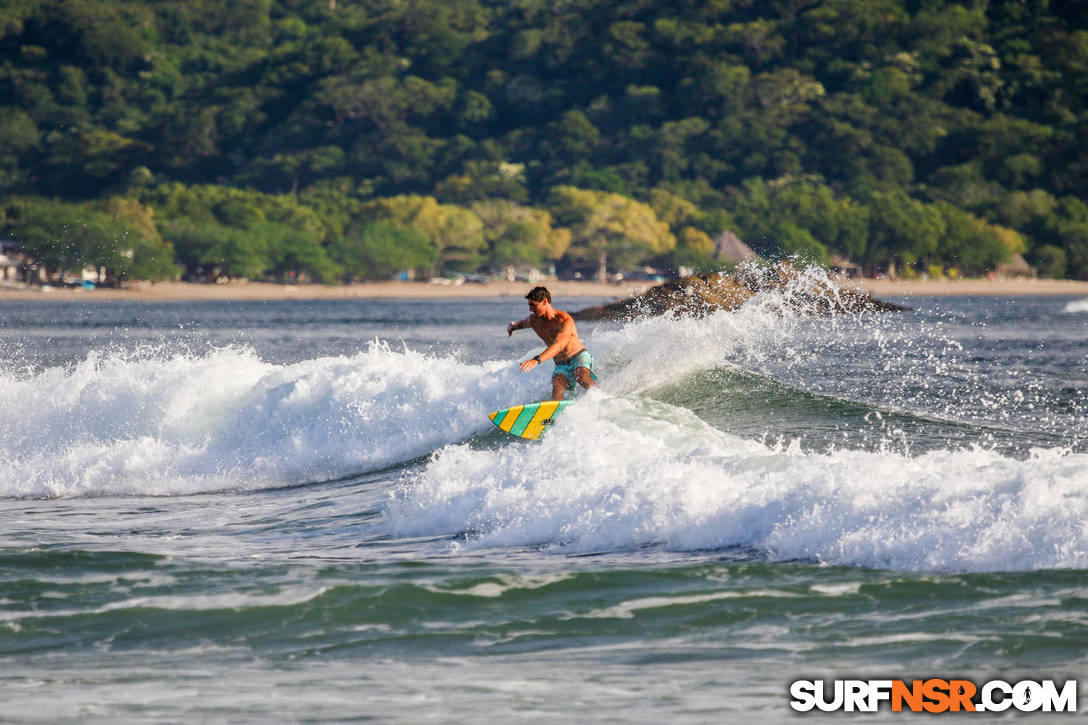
{"x": 516, "y": 325}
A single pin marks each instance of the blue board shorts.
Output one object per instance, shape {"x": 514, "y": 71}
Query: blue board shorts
{"x": 581, "y": 360}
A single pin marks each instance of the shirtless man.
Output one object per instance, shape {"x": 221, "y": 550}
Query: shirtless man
{"x": 556, "y": 329}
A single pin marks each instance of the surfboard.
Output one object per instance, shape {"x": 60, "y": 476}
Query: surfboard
{"x": 529, "y": 420}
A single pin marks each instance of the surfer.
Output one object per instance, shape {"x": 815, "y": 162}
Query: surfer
{"x": 556, "y": 328}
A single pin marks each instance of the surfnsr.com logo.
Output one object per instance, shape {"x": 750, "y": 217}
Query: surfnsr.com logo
{"x": 933, "y": 695}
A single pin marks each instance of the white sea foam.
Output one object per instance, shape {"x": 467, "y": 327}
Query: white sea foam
{"x": 288, "y": 596}
{"x": 166, "y": 424}
{"x": 161, "y": 426}
{"x": 501, "y": 584}
{"x": 1076, "y": 306}
{"x": 622, "y": 473}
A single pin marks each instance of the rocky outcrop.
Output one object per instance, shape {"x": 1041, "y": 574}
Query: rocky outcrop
{"x": 699, "y": 295}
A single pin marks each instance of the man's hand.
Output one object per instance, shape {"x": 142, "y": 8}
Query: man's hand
{"x": 510, "y": 328}
{"x": 529, "y": 365}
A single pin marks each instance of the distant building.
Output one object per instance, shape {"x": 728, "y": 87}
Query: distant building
{"x": 843, "y": 266}
{"x": 1016, "y": 267}
{"x": 13, "y": 265}
{"x": 567, "y": 270}
{"x": 729, "y": 248}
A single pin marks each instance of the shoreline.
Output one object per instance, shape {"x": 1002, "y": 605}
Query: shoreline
{"x": 1020, "y": 287}
{"x": 265, "y": 291}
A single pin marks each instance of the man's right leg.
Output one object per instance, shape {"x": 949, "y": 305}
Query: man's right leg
{"x": 559, "y": 386}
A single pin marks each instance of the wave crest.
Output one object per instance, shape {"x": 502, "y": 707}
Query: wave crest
{"x": 145, "y": 425}
{"x": 621, "y": 474}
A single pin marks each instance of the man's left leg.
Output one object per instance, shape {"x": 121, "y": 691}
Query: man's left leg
{"x": 584, "y": 377}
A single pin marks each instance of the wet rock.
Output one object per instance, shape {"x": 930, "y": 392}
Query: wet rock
{"x": 699, "y": 295}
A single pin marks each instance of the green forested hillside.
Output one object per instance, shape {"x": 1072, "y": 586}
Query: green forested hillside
{"x": 351, "y": 139}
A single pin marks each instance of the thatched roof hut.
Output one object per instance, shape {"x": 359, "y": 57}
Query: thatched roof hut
{"x": 729, "y": 248}
{"x": 1015, "y": 267}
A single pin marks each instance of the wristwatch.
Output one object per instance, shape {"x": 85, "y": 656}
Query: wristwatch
{"x": 537, "y": 358}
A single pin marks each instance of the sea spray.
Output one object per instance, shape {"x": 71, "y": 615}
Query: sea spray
{"x": 931, "y": 364}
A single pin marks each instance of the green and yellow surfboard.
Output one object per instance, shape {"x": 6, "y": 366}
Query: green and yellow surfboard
{"x": 530, "y": 420}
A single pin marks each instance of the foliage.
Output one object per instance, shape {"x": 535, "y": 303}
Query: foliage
{"x": 519, "y": 235}
{"x": 887, "y": 131}
{"x": 377, "y": 250}
{"x": 970, "y": 244}
{"x": 607, "y": 225}
{"x": 455, "y": 232}
{"x": 116, "y": 236}
{"x": 802, "y": 217}
{"x": 1051, "y": 261}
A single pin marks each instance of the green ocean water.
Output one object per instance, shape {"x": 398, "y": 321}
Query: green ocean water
{"x": 299, "y": 511}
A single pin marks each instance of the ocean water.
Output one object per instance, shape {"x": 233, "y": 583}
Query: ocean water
{"x": 298, "y": 511}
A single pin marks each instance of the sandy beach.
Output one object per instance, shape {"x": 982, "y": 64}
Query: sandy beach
{"x": 255, "y": 291}
{"x": 973, "y": 287}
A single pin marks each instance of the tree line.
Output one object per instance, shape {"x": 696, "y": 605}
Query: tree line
{"x": 336, "y": 140}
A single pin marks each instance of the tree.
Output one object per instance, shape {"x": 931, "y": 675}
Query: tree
{"x": 802, "y": 217}
{"x": 607, "y": 225}
{"x": 1073, "y": 237}
{"x": 18, "y": 135}
{"x": 481, "y": 180}
{"x": 455, "y": 232}
{"x": 971, "y": 244}
{"x": 517, "y": 234}
{"x": 902, "y": 230}
{"x": 294, "y": 253}
{"x": 117, "y": 237}
{"x": 674, "y": 210}
{"x": 1051, "y": 261}
{"x": 287, "y": 172}
{"x": 694, "y": 248}
{"x": 143, "y": 252}
{"x": 377, "y": 250}
{"x": 210, "y": 249}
